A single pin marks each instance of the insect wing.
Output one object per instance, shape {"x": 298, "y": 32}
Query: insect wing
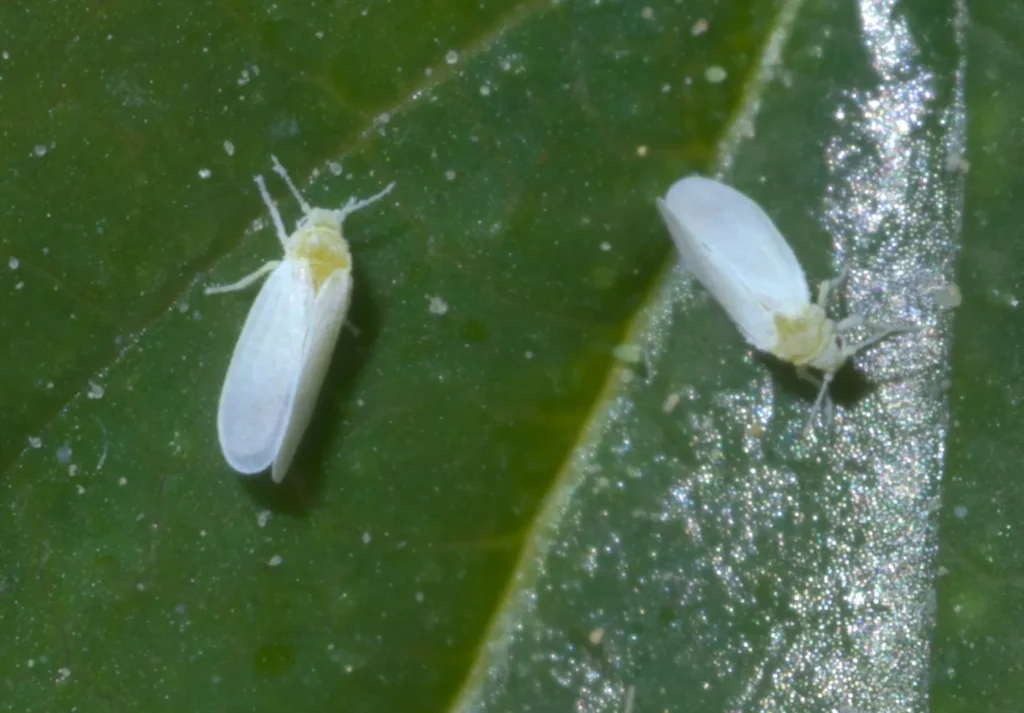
{"x": 734, "y": 249}
{"x": 328, "y": 315}
{"x": 260, "y": 384}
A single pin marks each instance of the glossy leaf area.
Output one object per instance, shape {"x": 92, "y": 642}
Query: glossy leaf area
{"x": 491, "y": 512}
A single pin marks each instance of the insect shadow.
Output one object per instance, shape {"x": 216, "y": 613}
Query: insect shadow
{"x": 299, "y": 492}
{"x": 849, "y": 387}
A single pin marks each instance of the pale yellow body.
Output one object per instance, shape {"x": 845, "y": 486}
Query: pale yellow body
{"x": 319, "y": 242}
{"x": 811, "y": 339}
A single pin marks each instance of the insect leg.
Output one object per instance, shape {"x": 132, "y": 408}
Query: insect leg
{"x": 849, "y": 323}
{"x": 881, "y": 332}
{"x": 827, "y": 286}
{"x": 249, "y": 279}
{"x": 822, "y": 398}
{"x": 807, "y": 375}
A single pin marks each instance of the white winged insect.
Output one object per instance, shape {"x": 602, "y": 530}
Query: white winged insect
{"x": 282, "y": 355}
{"x": 734, "y": 249}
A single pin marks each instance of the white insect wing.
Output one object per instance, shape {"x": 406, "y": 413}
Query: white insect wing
{"x": 325, "y": 323}
{"x": 265, "y": 368}
{"x": 734, "y": 249}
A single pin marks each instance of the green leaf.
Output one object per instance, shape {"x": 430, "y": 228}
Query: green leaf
{"x": 490, "y": 511}
{"x": 978, "y": 650}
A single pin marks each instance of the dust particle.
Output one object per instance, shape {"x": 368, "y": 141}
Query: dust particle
{"x": 948, "y": 296}
{"x": 629, "y": 353}
{"x": 715, "y": 74}
{"x": 437, "y": 305}
{"x": 671, "y": 401}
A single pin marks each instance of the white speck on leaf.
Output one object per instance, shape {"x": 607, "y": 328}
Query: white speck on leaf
{"x": 715, "y": 74}
{"x": 629, "y": 353}
{"x": 948, "y": 296}
{"x": 437, "y": 305}
{"x": 671, "y": 401}
{"x": 229, "y": 148}
{"x": 103, "y": 457}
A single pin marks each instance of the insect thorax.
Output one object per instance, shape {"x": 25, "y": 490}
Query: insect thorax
{"x": 317, "y": 240}
{"x": 807, "y": 338}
